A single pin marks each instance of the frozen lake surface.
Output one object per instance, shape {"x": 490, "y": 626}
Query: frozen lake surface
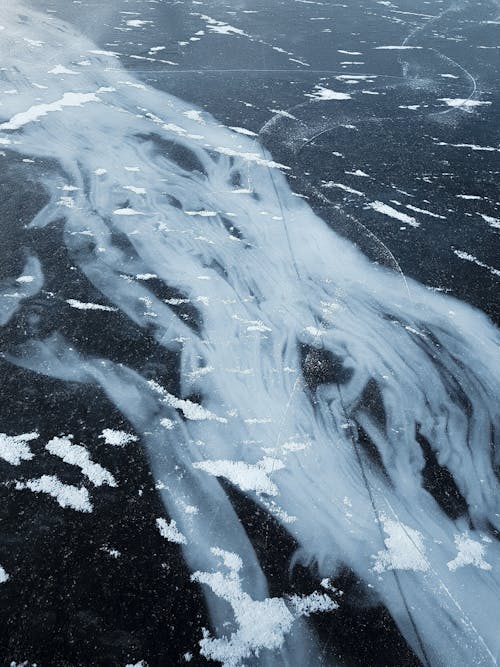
{"x": 249, "y": 293}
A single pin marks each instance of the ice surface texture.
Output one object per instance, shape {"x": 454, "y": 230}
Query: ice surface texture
{"x": 294, "y": 331}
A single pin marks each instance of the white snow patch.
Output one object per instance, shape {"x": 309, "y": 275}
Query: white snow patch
{"x": 242, "y": 130}
{"x": 189, "y": 409}
{"x": 247, "y": 476}
{"x": 69, "y": 202}
{"x": 170, "y": 531}
{"x": 258, "y": 325}
{"x": 40, "y": 110}
{"x": 424, "y": 211}
{"x": 400, "y": 47}
{"x": 385, "y": 209}
{"x": 261, "y": 624}
{"x": 220, "y": 27}
{"x": 137, "y": 23}
{"x": 77, "y": 455}
{"x": 282, "y": 112}
{"x": 404, "y": 550}
{"x": 146, "y": 276}
{"x": 473, "y": 147}
{"x": 203, "y": 213}
{"x": 33, "y": 42}
{"x": 127, "y": 211}
{"x": 493, "y": 222}
{"x": 249, "y": 157}
{"x": 13, "y": 448}
{"x": 315, "y": 331}
{"x": 470, "y": 552}
{"x": 137, "y": 191}
{"x": 117, "y": 438}
{"x": 358, "y": 172}
{"x": 470, "y": 258}
{"x": 323, "y": 93}
{"x": 114, "y": 553}
{"x": 80, "y": 305}
{"x": 341, "y": 186}
{"x": 461, "y": 102}
{"x": 3, "y": 575}
{"x": 76, "y": 498}
{"x": 353, "y": 78}
{"x": 313, "y": 603}
{"x": 60, "y": 69}
{"x": 192, "y": 114}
